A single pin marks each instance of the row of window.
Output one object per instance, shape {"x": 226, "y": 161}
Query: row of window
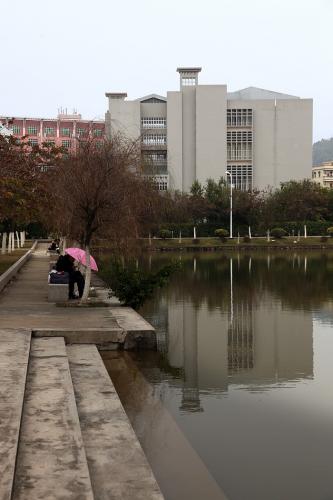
{"x": 239, "y": 117}
{"x": 155, "y": 157}
{"x": 326, "y": 173}
{"x": 154, "y": 139}
{"x": 239, "y": 137}
{"x": 51, "y": 131}
{"x": 160, "y": 181}
{"x": 239, "y": 151}
{"x": 153, "y": 122}
{"x": 241, "y": 176}
{"x": 188, "y": 81}
{"x": 65, "y": 143}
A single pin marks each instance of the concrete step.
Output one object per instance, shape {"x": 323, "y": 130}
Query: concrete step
{"x": 117, "y": 464}
{"x": 51, "y": 461}
{"x": 14, "y": 357}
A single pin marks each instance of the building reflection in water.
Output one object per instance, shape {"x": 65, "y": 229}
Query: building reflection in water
{"x": 255, "y": 344}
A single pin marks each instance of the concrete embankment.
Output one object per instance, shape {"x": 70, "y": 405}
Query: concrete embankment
{"x": 8, "y": 275}
{"x": 63, "y": 431}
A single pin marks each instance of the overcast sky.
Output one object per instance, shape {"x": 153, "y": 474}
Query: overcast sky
{"x": 68, "y": 53}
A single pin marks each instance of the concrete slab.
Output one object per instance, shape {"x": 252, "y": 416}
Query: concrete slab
{"x": 24, "y": 304}
{"x": 51, "y": 462}
{"x": 14, "y": 356}
{"x": 107, "y": 338}
{"x": 117, "y": 464}
{"x": 140, "y": 333}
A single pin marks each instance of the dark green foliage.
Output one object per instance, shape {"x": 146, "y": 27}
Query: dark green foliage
{"x": 246, "y": 239}
{"x": 222, "y": 233}
{"x": 132, "y": 285}
{"x": 165, "y": 233}
{"x": 323, "y": 239}
{"x": 196, "y": 241}
{"x": 291, "y": 206}
{"x": 278, "y": 232}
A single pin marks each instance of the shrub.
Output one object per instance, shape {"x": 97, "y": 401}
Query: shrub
{"x": 246, "y": 239}
{"x": 323, "y": 239}
{"x": 278, "y": 232}
{"x": 196, "y": 241}
{"x": 165, "y": 233}
{"x": 222, "y": 234}
{"x": 330, "y": 231}
{"x": 134, "y": 286}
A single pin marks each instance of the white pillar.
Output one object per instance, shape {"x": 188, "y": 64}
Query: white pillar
{"x": 180, "y": 237}
{"x": 4, "y": 241}
{"x": 250, "y": 233}
{"x": 10, "y": 242}
{"x": 194, "y": 233}
{"x": 18, "y": 240}
{"x": 305, "y": 232}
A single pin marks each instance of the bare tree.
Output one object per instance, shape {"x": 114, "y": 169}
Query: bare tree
{"x": 97, "y": 192}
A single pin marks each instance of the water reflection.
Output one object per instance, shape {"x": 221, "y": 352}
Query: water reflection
{"x": 228, "y": 325}
{"x": 245, "y": 372}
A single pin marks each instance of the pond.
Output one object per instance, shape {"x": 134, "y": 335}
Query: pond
{"x": 237, "y": 402}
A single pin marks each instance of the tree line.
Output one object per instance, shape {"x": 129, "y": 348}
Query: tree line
{"x": 292, "y": 205}
{"x": 98, "y": 192}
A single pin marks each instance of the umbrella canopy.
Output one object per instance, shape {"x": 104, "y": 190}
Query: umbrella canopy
{"x": 80, "y": 255}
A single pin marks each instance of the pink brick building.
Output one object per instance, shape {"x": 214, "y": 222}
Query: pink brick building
{"x": 64, "y": 131}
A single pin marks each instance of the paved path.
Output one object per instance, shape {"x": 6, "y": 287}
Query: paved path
{"x": 63, "y": 432}
{"x": 24, "y": 304}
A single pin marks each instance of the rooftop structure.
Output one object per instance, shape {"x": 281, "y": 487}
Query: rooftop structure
{"x": 260, "y": 136}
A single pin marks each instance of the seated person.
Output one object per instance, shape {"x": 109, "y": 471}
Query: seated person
{"x": 65, "y": 263}
{"x": 54, "y": 247}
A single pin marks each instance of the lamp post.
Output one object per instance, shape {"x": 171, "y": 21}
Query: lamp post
{"x": 229, "y": 173}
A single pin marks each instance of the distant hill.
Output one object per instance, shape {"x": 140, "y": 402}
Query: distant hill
{"x": 322, "y": 151}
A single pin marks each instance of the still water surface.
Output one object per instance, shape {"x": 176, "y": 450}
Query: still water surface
{"x": 238, "y": 401}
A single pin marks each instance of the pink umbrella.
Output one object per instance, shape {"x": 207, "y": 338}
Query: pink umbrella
{"x": 80, "y": 255}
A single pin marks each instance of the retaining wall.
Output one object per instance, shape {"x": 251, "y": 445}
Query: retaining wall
{"x": 8, "y": 275}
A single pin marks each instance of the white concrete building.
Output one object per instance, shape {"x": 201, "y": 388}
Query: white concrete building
{"x": 323, "y": 174}
{"x": 201, "y": 131}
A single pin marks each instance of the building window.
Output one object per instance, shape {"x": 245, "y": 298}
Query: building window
{"x": 188, "y": 81}
{"x": 33, "y": 142}
{"x": 159, "y": 157}
{"x": 16, "y": 129}
{"x": 49, "y": 131}
{"x": 242, "y": 176}
{"x": 32, "y": 130}
{"x": 66, "y": 144}
{"x": 97, "y": 132}
{"x": 314, "y": 175}
{"x": 154, "y": 139}
{"x": 239, "y": 117}
{"x": 65, "y": 132}
{"x": 153, "y": 122}
{"x": 319, "y": 173}
{"x": 81, "y": 132}
{"x": 239, "y": 145}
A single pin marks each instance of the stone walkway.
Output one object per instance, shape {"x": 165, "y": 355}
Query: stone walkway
{"x": 64, "y": 434}
{"x": 23, "y": 304}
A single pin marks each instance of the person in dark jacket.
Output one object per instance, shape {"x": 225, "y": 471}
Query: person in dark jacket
{"x": 65, "y": 263}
